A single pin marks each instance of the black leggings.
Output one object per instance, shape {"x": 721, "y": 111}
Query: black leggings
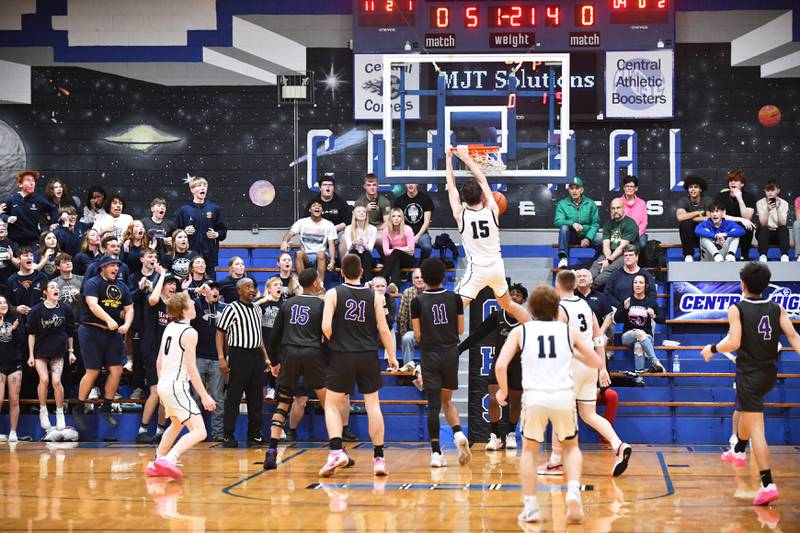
{"x": 394, "y": 262}
{"x": 434, "y": 397}
{"x": 366, "y": 262}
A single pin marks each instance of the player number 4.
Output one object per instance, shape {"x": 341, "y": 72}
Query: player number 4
{"x": 765, "y": 328}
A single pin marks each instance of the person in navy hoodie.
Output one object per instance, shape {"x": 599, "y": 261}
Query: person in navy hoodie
{"x": 203, "y": 223}
{"x": 26, "y": 287}
{"x": 51, "y": 329}
{"x": 25, "y": 209}
{"x": 70, "y": 231}
{"x": 719, "y": 237}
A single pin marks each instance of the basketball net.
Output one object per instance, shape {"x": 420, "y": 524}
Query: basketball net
{"x": 487, "y": 158}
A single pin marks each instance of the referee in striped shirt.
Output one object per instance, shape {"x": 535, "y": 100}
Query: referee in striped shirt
{"x": 240, "y": 326}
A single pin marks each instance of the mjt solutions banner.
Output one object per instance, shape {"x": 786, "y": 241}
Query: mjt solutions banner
{"x": 368, "y": 88}
{"x": 710, "y": 300}
{"x": 639, "y": 84}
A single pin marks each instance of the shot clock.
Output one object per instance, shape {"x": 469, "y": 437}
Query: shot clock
{"x": 493, "y": 25}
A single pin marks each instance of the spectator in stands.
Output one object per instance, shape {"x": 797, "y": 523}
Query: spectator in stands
{"x": 378, "y": 206}
{"x": 619, "y": 285}
{"x": 110, "y": 247}
{"x": 739, "y": 206}
{"x": 202, "y": 220}
{"x": 635, "y": 207}
{"x": 70, "y": 231}
{"x": 773, "y": 218}
{"x": 418, "y": 208}
{"x": 316, "y": 235}
{"x": 578, "y": 222}
{"x": 286, "y": 274}
{"x": 334, "y": 208}
{"x": 11, "y": 337}
{"x": 796, "y": 228}
{"x": 158, "y": 228}
{"x": 236, "y": 271}
{"x": 398, "y": 247}
{"x": 24, "y": 211}
{"x": 690, "y": 211}
{"x": 209, "y": 309}
{"x": 141, "y": 284}
{"x": 598, "y": 303}
{"x": 134, "y": 242}
{"x": 719, "y": 236}
{"x": 8, "y": 255}
{"x": 95, "y": 202}
{"x": 359, "y": 239}
{"x": 196, "y": 277}
{"x": 618, "y": 232}
{"x": 114, "y": 221}
{"x": 178, "y": 261}
{"x": 404, "y": 327}
{"x": 48, "y": 250}
{"x": 57, "y": 194}
{"x": 69, "y": 286}
{"x": 90, "y": 250}
{"x": 26, "y": 287}
{"x": 636, "y": 315}
{"x": 379, "y": 285}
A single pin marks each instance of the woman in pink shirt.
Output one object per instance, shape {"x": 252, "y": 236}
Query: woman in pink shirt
{"x": 398, "y": 246}
{"x": 635, "y": 207}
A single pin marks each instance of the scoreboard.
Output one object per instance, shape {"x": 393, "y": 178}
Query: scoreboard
{"x": 443, "y": 26}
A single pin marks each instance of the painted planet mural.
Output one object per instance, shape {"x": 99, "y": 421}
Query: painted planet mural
{"x": 12, "y": 159}
{"x": 262, "y": 193}
{"x": 769, "y": 116}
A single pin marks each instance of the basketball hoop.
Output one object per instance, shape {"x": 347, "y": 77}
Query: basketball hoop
{"x": 487, "y": 158}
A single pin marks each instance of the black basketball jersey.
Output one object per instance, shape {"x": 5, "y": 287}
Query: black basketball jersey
{"x": 437, "y": 312}
{"x": 354, "y": 326}
{"x": 761, "y": 330}
{"x": 301, "y": 318}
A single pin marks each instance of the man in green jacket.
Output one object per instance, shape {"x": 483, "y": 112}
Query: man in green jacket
{"x": 578, "y": 222}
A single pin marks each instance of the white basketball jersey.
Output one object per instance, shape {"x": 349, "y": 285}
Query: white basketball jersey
{"x": 480, "y": 235}
{"x": 546, "y": 356}
{"x": 172, "y": 366}
{"x": 580, "y": 316}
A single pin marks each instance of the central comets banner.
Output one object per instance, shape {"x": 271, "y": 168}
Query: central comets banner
{"x": 710, "y": 300}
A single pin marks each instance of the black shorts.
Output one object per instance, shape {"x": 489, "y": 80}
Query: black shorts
{"x": 9, "y": 368}
{"x": 297, "y": 362}
{"x": 100, "y": 347}
{"x": 514, "y": 373}
{"x": 150, "y": 371}
{"x": 440, "y": 369}
{"x": 350, "y": 368}
{"x": 751, "y": 387}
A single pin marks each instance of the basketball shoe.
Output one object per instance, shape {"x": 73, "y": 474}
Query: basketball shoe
{"x": 437, "y": 460}
{"x": 168, "y": 468}
{"x": 461, "y": 442}
{"x": 734, "y": 458}
{"x": 621, "y": 457}
{"x": 271, "y": 459}
{"x": 550, "y": 469}
{"x": 530, "y": 510}
{"x": 151, "y": 470}
{"x": 336, "y": 459}
{"x": 495, "y": 443}
{"x": 379, "y": 466}
{"x": 511, "y": 441}
{"x": 766, "y": 495}
{"x": 574, "y": 507}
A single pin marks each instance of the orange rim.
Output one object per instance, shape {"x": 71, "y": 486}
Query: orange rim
{"x": 478, "y": 149}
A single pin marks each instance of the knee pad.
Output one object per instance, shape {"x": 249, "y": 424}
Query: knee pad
{"x": 285, "y": 395}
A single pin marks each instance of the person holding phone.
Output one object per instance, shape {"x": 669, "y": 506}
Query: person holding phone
{"x": 773, "y": 216}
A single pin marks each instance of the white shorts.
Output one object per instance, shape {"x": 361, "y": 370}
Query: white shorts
{"x": 475, "y": 278}
{"x": 539, "y": 408}
{"x": 584, "y": 382}
{"x": 177, "y": 400}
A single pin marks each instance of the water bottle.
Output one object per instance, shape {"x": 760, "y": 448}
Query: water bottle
{"x": 676, "y": 363}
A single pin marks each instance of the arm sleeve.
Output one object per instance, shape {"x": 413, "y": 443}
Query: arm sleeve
{"x": 733, "y": 229}
{"x": 703, "y": 229}
{"x": 480, "y": 333}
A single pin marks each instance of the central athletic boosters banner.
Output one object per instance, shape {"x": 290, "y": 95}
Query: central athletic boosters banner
{"x": 639, "y": 84}
{"x": 710, "y": 300}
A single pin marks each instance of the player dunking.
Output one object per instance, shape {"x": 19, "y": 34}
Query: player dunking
{"x": 176, "y": 368}
{"x": 352, "y": 315}
{"x": 480, "y": 235}
{"x": 437, "y": 316}
{"x": 548, "y": 347}
{"x": 577, "y": 313}
{"x": 754, "y": 328}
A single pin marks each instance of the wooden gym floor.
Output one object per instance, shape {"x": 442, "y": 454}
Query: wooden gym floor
{"x": 101, "y": 487}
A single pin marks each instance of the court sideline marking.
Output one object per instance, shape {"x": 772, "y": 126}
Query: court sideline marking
{"x": 227, "y": 490}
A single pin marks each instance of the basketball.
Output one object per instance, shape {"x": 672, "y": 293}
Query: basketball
{"x": 502, "y": 203}
{"x": 769, "y": 116}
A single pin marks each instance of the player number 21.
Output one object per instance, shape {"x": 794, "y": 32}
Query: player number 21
{"x": 355, "y": 310}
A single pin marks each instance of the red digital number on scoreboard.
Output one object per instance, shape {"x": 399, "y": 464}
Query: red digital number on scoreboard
{"x": 387, "y": 6}
{"x": 639, "y": 11}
